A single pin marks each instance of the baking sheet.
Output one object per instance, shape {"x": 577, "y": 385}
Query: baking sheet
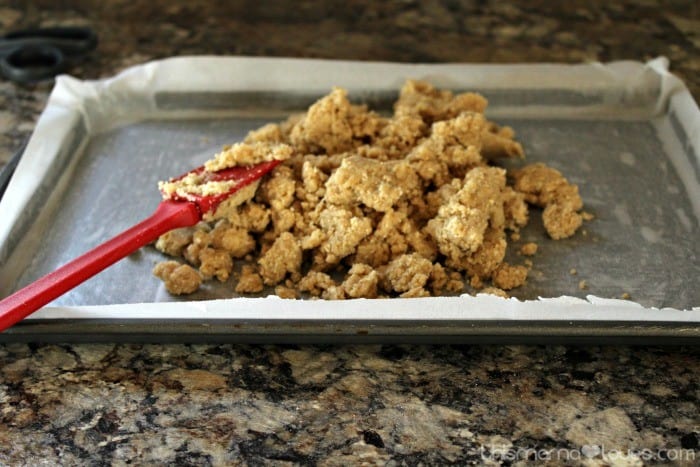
{"x": 627, "y": 133}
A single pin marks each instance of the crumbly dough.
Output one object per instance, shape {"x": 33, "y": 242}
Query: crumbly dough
{"x": 215, "y": 263}
{"x": 282, "y": 258}
{"x": 362, "y": 281}
{"x": 249, "y": 281}
{"x": 231, "y": 204}
{"x": 498, "y": 142}
{"x": 367, "y": 205}
{"x": 282, "y": 291}
{"x": 421, "y": 99}
{"x": 174, "y": 242}
{"x": 546, "y": 187}
{"x": 179, "y": 278}
{"x": 203, "y": 183}
{"x": 391, "y": 183}
{"x": 452, "y": 148}
{"x": 461, "y": 223}
{"x": 333, "y": 125}
{"x": 246, "y": 154}
{"x": 237, "y": 241}
{"x": 528, "y": 249}
{"x": 195, "y": 184}
{"x": 320, "y": 284}
{"x": 338, "y": 234}
{"x": 507, "y": 277}
{"x": 407, "y": 273}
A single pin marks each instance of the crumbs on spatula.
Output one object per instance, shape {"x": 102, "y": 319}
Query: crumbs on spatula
{"x": 364, "y": 205}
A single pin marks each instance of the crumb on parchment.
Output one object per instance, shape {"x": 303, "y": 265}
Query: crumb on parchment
{"x": 498, "y": 143}
{"x": 362, "y": 281}
{"x": 289, "y": 293}
{"x": 528, "y": 249}
{"x": 407, "y": 272}
{"x": 237, "y": 241}
{"x": 546, "y": 187}
{"x": 173, "y": 243}
{"x": 179, "y": 279}
{"x": 215, "y": 263}
{"x": 508, "y": 277}
{"x": 249, "y": 281}
{"x": 365, "y": 205}
{"x": 461, "y": 223}
{"x": 316, "y": 282}
{"x": 282, "y": 258}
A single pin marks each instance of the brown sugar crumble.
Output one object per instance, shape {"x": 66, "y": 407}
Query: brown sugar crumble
{"x": 508, "y": 277}
{"x": 282, "y": 291}
{"x": 178, "y": 278}
{"x": 249, "y": 281}
{"x": 546, "y": 187}
{"x": 369, "y": 206}
{"x": 528, "y": 249}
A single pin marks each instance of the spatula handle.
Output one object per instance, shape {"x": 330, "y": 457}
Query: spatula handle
{"x": 169, "y": 215}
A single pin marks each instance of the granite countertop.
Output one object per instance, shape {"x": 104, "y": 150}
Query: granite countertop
{"x": 339, "y": 405}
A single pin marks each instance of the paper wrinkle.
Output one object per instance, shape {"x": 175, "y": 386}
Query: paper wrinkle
{"x": 104, "y": 104}
{"x": 674, "y": 88}
{"x": 130, "y": 96}
{"x": 670, "y": 83}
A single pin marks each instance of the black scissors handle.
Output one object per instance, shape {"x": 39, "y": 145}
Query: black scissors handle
{"x": 32, "y": 55}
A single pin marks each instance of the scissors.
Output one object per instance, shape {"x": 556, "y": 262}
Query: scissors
{"x": 31, "y": 55}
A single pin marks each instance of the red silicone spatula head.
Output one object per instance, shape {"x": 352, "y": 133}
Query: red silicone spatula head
{"x": 240, "y": 176}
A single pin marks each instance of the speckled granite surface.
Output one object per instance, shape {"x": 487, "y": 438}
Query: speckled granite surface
{"x": 221, "y": 404}
{"x": 340, "y": 405}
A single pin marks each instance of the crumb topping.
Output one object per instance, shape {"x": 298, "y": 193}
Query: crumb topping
{"x": 179, "y": 279}
{"x": 546, "y": 187}
{"x": 246, "y": 154}
{"x": 249, "y": 281}
{"x": 528, "y": 249}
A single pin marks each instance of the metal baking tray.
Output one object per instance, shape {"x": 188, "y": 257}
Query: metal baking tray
{"x": 627, "y": 133}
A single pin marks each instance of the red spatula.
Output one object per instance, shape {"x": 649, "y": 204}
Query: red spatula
{"x": 177, "y": 211}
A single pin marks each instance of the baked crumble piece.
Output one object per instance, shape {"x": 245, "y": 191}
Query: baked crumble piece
{"x": 249, "y": 281}
{"x": 178, "y": 278}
